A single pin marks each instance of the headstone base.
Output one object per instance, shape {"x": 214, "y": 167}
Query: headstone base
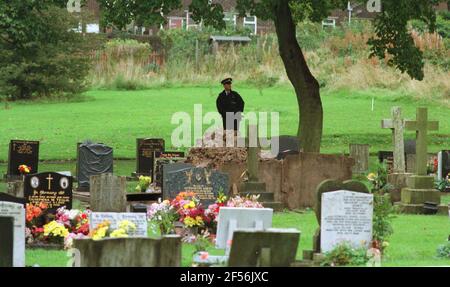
{"x": 398, "y": 181}
{"x": 420, "y": 196}
{"x": 420, "y": 182}
{"x": 267, "y": 199}
{"x": 310, "y": 259}
{"x": 15, "y": 188}
{"x": 418, "y": 208}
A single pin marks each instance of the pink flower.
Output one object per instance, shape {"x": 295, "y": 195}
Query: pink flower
{"x": 204, "y": 255}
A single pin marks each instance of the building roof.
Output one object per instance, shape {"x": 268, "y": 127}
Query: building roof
{"x": 217, "y": 38}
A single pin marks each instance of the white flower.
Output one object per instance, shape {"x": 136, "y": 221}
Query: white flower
{"x": 73, "y": 213}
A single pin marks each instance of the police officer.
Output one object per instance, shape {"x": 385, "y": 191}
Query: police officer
{"x": 230, "y": 101}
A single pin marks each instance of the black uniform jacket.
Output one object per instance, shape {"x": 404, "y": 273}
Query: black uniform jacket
{"x": 229, "y": 103}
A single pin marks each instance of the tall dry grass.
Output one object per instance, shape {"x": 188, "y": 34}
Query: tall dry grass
{"x": 341, "y": 61}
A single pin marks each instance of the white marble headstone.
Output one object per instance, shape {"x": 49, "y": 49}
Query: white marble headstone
{"x": 346, "y": 217}
{"x": 16, "y": 211}
{"x": 231, "y": 219}
{"x": 140, "y": 219}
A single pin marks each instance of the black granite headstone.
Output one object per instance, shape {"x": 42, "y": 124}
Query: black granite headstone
{"x": 145, "y": 149}
{"x": 22, "y": 152}
{"x": 51, "y": 188}
{"x": 385, "y": 156}
{"x": 206, "y": 183}
{"x": 286, "y": 145}
{"x": 162, "y": 158}
{"x": 445, "y": 163}
{"x": 6, "y": 241}
{"x": 9, "y": 198}
{"x": 93, "y": 159}
{"x": 410, "y": 146}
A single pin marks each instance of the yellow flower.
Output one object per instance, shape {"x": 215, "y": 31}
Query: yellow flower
{"x": 199, "y": 220}
{"x": 189, "y": 221}
{"x": 385, "y": 244}
{"x": 100, "y": 233}
{"x": 371, "y": 176}
{"x": 56, "y": 229}
{"x": 119, "y": 233}
{"x": 127, "y": 226}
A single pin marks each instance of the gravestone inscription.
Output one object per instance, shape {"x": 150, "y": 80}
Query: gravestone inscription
{"x": 51, "y": 188}
{"x": 22, "y": 152}
{"x": 206, "y": 183}
{"x": 346, "y": 217}
{"x": 114, "y": 218}
{"x": 163, "y": 158}
{"x": 145, "y": 149}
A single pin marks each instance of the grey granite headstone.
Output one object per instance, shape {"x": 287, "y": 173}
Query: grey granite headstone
{"x": 205, "y": 182}
{"x": 171, "y": 168}
{"x": 93, "y": 159}
{"x": 16, "y": 212}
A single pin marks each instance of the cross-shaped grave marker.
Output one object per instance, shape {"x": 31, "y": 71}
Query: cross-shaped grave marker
{"x": 421, "y": 125}
{"x": 396, "y": 125}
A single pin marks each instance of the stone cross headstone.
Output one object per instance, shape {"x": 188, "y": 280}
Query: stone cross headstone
{"x": 420, "y": 187}
{"x": 346, "y": 218}
{"x": 51, "y": 188}
{"x": 255, "y": 186}
{"x": 205, "y": 182}
{"x": 145, "y": 149}
{"x": 360, "y": 153}
{"x": 139, "y": 219}
{"x": 421, "y": 125}
{"x": 22, "y": 152}
{"x": 252, "y": 155}
{"x": 396, "y": 125}
{"x": 108, "y": 193}
{"x": 12, "y": 213}
{"x": 93, "y": 159}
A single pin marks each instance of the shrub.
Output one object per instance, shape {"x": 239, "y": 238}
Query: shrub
{"x": 443, "y": 251}
{"x": 345, "y": 255}
{"x": 43, "y": 57}
{"x": 383, "y": 209}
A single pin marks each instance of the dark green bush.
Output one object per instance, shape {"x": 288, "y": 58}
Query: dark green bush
{"x": 40, "y": 54}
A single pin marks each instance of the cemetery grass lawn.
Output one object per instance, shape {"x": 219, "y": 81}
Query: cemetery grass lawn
{"x": 414, "y": 242}
{"x": 117, "y": 118}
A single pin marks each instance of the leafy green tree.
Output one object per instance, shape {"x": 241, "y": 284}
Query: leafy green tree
{"x": 40, "y": 54}
{"x": 392, "y": 37}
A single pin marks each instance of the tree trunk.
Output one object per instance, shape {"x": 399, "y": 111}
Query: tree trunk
{"x": 305, "y": 85}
